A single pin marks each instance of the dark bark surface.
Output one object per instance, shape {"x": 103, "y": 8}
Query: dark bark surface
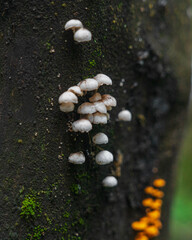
{"x": 147, "y": 44}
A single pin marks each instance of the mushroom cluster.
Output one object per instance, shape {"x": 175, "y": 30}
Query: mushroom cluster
{"x": 81, "y": 34}
{"x": 94, "y": 111}
{"x": 149, "y": 225}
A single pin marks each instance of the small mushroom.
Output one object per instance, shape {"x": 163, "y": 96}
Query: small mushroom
{"x": 86, "y": 108}
{"x": 109, "y": 100}
{"x": 103, "y": 79}
{"x": 73, "y": 24}
{"x": 125, "y": 115}
{"x": 88, "y": 117}
{"x": 104, "y": 157}
{"x": 99, "y": 118}
{"x": 76, "y": 90}
{"x": 96, "y": 97}
{"x": 82, "y": 125}
{"x": 77, "y": 158}
{"x": 67, "y": 97}
{"x": 100, "y": 138}
{"x": 82, "y": 35}
{"x": 100, "y": 107}
{"x": 88, "y": 84}
{"x": 110, "y": 181}
{"x": 67, "y": 107}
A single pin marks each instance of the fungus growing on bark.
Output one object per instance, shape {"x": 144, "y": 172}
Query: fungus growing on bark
{"x": 110, "y": 181}
{"x": 125, "y": 115}
{"x": 99, "y": 118}
{"x": 159, "y": 183}
{"x": 139, "y": 225}
{"x": 76, "y": 90}
{"x": 103, "y": 79}
{"x": 68, "y": 97}
{"x": 77, "y": 158}
{"x": 73, "y": 24}
{"x": 104, "y": 157}
{"x": 86, "y": 108}
{"x": 109, "y": 101}
{"x": 152, "y": 231}
{"x": 88, "y": 84}
{"x": 100, "y": 138}
{"x": 96, "y": 97}
{"x": 100, "y": 107}
{"x": 82, "y": 125}
{"x": 67, "y": 107}
{"x": 82, "y": 35}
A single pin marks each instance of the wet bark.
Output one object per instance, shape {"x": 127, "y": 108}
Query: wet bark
{"x": 144, "y": 47}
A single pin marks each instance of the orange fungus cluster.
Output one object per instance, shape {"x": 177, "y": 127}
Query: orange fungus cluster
{"x": 149, "y": 225}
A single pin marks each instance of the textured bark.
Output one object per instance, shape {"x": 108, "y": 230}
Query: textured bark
{"x": 146, "y": 43}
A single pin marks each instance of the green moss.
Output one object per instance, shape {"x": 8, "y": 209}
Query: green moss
{"x": 76, "y": 189}
{"x": 37, "y": 234}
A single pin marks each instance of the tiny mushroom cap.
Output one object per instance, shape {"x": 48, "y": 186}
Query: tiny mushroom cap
{"x": 152, "y": 231}
{"x": 88, "y": 116}
{"x": 125, "y": 115}
{"x": 109, "y": 101}
{"x": 99, "y": 118}
{"x": 88, "y": 84}
{"x": 110, "y": 181}
{"x": 139, "y": 225}
{"x": 100, "y": 107}
{"x": 103, "y": 79}
{"x": 68, "y": 97}
{"x": 104, "y": 157}
{"x": 67, "y": 107}
{"x": 86, "y": 108}
{"x": 159, "y": 182}
{"x": 82, "y": 35}
{"x": 82, "y": 125}
{"x": 76, "y": 90}
{"x": 77, "y": 158}
{"x": 100, "y": 138}
{"x": 73, "y": 24}
{"x": 96, "y": 97}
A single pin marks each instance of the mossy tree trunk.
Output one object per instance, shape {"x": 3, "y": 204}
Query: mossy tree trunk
{"x": 144, "y": 47}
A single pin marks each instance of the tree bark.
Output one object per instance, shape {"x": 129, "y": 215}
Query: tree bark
{"x": 144, "y": 46}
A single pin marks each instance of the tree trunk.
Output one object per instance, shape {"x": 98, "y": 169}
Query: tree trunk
{"x": 145, "y": 48}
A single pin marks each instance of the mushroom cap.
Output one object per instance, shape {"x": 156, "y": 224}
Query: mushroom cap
{"x": 82, "y": 125}
{"x": 68, "y": 97}
{"x": 88, "y": 117}
{"x": 76, "y": 90}
{"x": 100, "y": 107}
{"x": 103, "y": 79}
{"x": 73, "y": 24}
{"x": 86, "y": 108}
{"x": 96, "y": 97}
{"x": 125, "y": 115}
{"x": 109, "y": 108}
{"x": 109, "y": 100}
{"x": 104, "y": 157}
{"x": 77, "y": 158}
{"x": 110, "y": 181}
{"x": 99, "y": 118}
{"x": 88, "y": 84}
{"x": 82, "y": 35}
{"x": 100, "y": 138}
{"x": 67, "y": 107}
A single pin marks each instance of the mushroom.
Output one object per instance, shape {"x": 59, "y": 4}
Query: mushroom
{"x": 99, "y": 118}
{"x": 73, "y": 24}
{"x": 100, "y": 138}
{"x": 77, "y": 158}
{"x": 103, "y": 79}
{"x": 125, "y": 115}
{"x": 68, "y": 97}
{"x": 109, "y": 101}
{"x": 96, "y": 97}
{"x": 88, "y": 116}
{"x": 82, "y": 125}
{"x": 110, "y": 181}
{"x": 76, "y": 90}
{"x": 82, "y": 35}
{"x": 86, "y": 108}
{"x": 67, "y": 107}
{"x": 159, "y": 182}
{"x": 100, "y": 107}
{"x": 88, "y": 84}
{"x": 104, "y": 157}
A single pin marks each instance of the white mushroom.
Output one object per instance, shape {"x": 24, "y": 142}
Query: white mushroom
{"x": 103, "y": 79}
{"x": 110, "y": 181}
{"x": 125, "y": 115}
{"x": 104, "y": 157}
{"x": 82, "y": 125}
{"x": 88, "y": 117}
{"x": 100, "y": 138}
{"x": 96, "y": 97}
{"x": 67, "y": 107}
{"x": 76, "y": 90}
{"x": 68, "y": 97}
{"x": 82, "y": 35}
{"x": 77, "y": 158}
{"x": 88, "y": 84}
{"x": 100, "y": 107}
{"x": 109, "y": 101}
{"x": 109, "y": 108}
{"x": 99, "y": 118}
{"x": 86, "y": 108}
{"x": 73, "y": 24}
